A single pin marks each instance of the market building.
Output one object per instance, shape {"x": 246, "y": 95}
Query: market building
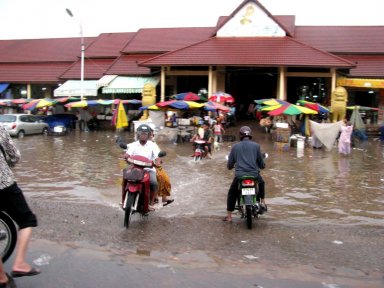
{"x": 250, "y": 54}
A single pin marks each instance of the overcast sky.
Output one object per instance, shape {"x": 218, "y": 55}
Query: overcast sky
{"x": 25, "y": 19}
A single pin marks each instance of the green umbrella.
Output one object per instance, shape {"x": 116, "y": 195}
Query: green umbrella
{"x": 291, "y": 109}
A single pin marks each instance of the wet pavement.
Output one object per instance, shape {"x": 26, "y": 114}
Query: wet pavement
{"x": 324, "y": 225}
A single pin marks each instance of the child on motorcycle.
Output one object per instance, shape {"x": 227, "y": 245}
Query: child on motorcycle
{"x": 205, "y": 135}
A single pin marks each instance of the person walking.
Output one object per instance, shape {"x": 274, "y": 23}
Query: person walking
{"x": 345, "y": 138}
{"x": 13, "y": 202}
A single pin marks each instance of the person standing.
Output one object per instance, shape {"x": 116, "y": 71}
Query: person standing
{"x": 345, "y": 138}
{"x": 247, "y": 159}
{"x": 218, "y": 131}
{"x": 13, "y": 202}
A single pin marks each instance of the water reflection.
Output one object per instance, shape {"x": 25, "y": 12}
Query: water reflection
{"x": 306, "y": 185}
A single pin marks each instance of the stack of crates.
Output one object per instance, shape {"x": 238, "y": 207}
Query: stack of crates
{"x": 282, "y": 139}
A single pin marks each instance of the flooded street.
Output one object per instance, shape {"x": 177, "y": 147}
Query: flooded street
{"x": 308, "y": 186}
{"x": 325, "y": 217}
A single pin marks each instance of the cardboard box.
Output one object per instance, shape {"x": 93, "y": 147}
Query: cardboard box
{"x": 283, "y": 135}
{"x": 281, "y": 146}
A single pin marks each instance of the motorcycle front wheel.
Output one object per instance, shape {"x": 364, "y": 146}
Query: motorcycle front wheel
{"x": 130, "y": 199}
{"x": 8, "y": 236}
{"x": 249, "y": 216}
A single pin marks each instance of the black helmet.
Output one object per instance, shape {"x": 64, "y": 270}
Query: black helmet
{"x": 144, "y": 128}
{"x": 245, "y": 131}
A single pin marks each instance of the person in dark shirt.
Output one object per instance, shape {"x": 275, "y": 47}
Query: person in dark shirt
{"x": 247, "y": 159}
{"x": 207, "y": 136}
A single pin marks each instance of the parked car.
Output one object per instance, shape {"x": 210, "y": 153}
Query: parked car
{"x": 19, "y": 125}
{"x": 60, "y": 124}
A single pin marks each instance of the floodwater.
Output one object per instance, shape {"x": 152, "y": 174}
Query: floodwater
{"x": 304, "y": 186}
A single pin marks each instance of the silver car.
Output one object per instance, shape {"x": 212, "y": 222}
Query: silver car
{"x": 19, "y": 125}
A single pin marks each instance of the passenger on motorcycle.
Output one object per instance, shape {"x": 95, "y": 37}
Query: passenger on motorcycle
{"x": 247, "y": 159}
{"x": 149, "y": 149}
{"x": 207, "y": 136}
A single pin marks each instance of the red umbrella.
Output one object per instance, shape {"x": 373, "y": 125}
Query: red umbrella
{"x": 188, "y": 96}
{"x": 221, "y": 97}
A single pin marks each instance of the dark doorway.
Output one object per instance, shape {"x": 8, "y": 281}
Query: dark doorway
{"x": 249, "y": 84}
{"x": 191, "y": 83}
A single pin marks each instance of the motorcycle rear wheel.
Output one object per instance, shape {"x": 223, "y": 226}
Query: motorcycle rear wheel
{"x": 131, "y": 197}
{"x": 249, "y": 216}
{"x": 8, "y": 236}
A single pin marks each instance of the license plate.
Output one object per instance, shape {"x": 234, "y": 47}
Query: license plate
{"x": 58, "y": 129}
{"x": 248, "y": 191}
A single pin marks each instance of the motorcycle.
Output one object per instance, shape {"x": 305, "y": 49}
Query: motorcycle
{"x": 247, "y": 202}
{"x": 136, "y": 194}
{"x": 248, "y": 205}
{"x": 8, "y": 236}
{"x": 200, "y": 151}
{"x": 230, "y": 120}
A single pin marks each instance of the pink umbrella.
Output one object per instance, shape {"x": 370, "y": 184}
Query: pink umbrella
{"x": 221, "y": 97}
{"x": 213, "y": 106}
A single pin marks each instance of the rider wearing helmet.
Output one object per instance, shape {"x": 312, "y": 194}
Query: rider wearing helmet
{"x": 149, "y": 149}
{"x": 247, "y": 159}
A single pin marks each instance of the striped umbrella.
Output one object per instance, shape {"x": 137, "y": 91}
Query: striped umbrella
{"x": 39, "y": 103}
{"x": 314, "y": 106}
{"x": 291, "y": 109}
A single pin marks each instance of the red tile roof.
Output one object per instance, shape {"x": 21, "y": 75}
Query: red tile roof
{"x": 161, "y": 40}
{"x": 260, "y": 51}
{"x": 367, "y": 65}
{"x": 44, "y": 73}
{"x": 41, "y": 50}
{"x": 343, "y": 39}
{"x": 93, "y": 69}
{"x": 128, "y": 65}
{"x": 108, "y": 45}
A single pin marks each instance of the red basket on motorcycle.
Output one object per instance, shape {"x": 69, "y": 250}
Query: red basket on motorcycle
{"x": 140, "y": 161}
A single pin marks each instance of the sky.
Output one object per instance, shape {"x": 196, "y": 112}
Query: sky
{"x": 33, "y": 19}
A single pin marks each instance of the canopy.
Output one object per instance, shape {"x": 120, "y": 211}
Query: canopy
{"x": 220, "y": 96}
{"x": 3, "y": 87}
{"x": 39, "y": 103}
{"x": 73, "y": 88}
{"x": 213, "y": 106}
{"x": 105, "y": 80}
{"x": 291, "y": 110}
{"x": 364, "y": 108}
{"x": 326, "y": 132}
{"x": 188, "y": 96}
{"x": 86, "y": 103}
{"x": 271, "y": 102}
{"x": 314, "y": 106}
{"x": 125, "y": 84}
{"x": 356, "y": 119}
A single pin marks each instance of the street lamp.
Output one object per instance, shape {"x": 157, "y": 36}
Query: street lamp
{"x": 69, "y": 12}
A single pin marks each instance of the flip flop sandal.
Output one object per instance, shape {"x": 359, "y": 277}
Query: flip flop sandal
{"x": 168, "y": 202}
{"x": 226, "y": 219}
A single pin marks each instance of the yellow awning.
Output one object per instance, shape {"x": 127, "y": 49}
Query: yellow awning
{"x": 360, "y": 82}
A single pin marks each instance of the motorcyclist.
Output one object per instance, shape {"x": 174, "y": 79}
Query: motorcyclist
{"x": 207, "y": 136}
{"x": 247, "y": 159}
{"x": 149, "y": 149}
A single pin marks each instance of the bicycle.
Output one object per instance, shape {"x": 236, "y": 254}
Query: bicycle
{"x": 8, "y": 236}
